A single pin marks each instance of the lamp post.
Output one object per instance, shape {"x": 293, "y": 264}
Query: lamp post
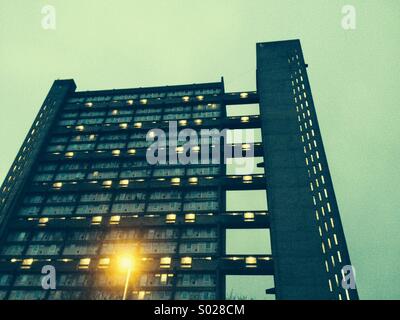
{"x": 126, "y": 263}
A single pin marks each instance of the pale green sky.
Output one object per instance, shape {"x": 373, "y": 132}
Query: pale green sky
{"x": 354, "y": 78}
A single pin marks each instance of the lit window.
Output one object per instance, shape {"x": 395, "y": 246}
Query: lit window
{"x": 200, "y": 98}
{"x": 198, "y": 122}
{"x": 143, "y": 101}
{"x": 69, "y": 155}
{"x": 107, "y": 183}
{"x": 57, "y": 185}
{"x": 182, "y": 122}
{"x": 335, "y": 238}
{"x": 179, "y": 149}
{"x": 339, "y": 256}
{"x": 116, "y": 153}
{"x": 123, "y": 125}
{"x": 141, "y": 295}
{"x": 186, "y": 98}
{"x": 80, "y": 128}
{"x": 26, "y": 263}
{"x": 138, "y": 125}
{"x": 104, "y": 263}
{"x": 114, "y": 112}
{"x": 246, "y": 147}
{"x": 193, "y": 180}
{"x": 244, "y": 119}
{"x": 164, "y": 278}
{"x": 132, "y": 152}
{"x": 97, "y": 220}
{"x": 186, "y": 262}
{"x": 170, "y": 218}
{"x": 249, "y": 216}
{"x": 247, "y": 179}
{"x": 251, "y": 262}
{"x": 190, "y": 217}
{"x": 244, "y": 95}
{"x": 115, "y": 219}
{"x": 124, "y": 183}
{"x": 84, "y": 263}
{"x": 43, "y": 221}
{"x": 165, "y": 262}
{"x": 175, "y": 181}
{"x": 130, "y": 102}
{"x": 89, "y": 104}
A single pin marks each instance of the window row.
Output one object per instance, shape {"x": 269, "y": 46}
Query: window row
{"x": 127, "y": 174}
{"x": 105, "y": 280}
{"x": 113, "y": 235}
{"x": 114, "y": 137}
{"x": 148, "y": 95}
{"x": 122, "y": 196}
{"x": 135, "y": 144}
{"x": 106, "y": 295}
{"x": 73, "y": 166}
{"x": 69, "y": 119}
{"x": 76, "y": 249}
{"x": 139, "y": 111}
{"x": 98, "y": 146}
{"x": 118, "y": 208}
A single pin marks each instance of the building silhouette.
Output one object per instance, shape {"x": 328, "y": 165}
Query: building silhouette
{"x": 82, "y": 197}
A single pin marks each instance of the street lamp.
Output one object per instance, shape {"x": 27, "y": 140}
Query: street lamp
{"x": 126, "y": 263}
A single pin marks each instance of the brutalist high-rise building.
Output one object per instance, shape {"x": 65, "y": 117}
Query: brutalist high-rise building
{"x": 82, "y": 198}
